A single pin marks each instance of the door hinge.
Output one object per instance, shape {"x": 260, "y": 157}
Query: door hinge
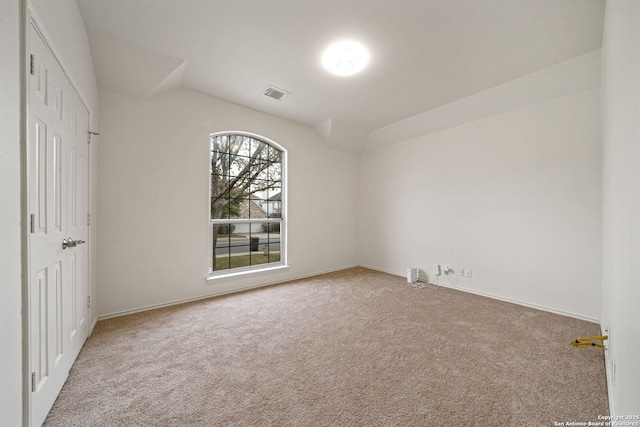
{"x": 33, "y": 223}
{"x": 89, "y": 301}
{"x": 32, "y": 64}
{"x": 33, "y": 381}
{"x": 88, "y": 219}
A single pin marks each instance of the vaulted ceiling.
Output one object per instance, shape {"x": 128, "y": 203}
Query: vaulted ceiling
{"x": 424, "y": 53}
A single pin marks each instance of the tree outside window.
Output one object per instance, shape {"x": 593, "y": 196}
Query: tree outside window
{"x": 246, "y": 201}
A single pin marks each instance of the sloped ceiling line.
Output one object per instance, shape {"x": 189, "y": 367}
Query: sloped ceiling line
{"x": 424, "y": 55}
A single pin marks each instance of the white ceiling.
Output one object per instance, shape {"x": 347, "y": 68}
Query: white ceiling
{"x": 424, "y": 53}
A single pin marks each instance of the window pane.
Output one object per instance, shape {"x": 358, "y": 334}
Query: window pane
{"x": 271, "y": 240}
{"x": 221, "y": 246}
{"x": 262, "y": 150}
{"x": 244, "y": 148}
{"x": 245, "y": 244}
{"x": 238, "y": 164}
{"x": 274, "y": 172}
{"x": 231, "y": 241}
{"x": 276, "y": 156}
{"x": 255, "y": 144}
{"x": 219, "y": 160}
{"x": 274, "y": 202}
{"x": 235, "y": 143}
{"x": 258, "y": 187}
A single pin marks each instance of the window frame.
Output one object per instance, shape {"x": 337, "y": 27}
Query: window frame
{"x": 259, "y": 268}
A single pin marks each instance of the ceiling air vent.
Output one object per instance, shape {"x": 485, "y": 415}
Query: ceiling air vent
{"x": 275, "y": 93}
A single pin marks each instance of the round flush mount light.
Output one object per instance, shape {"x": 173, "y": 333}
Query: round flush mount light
{"x": 345, "y": 58}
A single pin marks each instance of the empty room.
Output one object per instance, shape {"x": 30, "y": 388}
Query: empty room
{"x": 291, "y": 213}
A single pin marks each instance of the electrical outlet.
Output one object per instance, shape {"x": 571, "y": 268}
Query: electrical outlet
{"x": 467, "y": 273}
{"x": 301, "y": 263}
{"x": 461, "y": 272}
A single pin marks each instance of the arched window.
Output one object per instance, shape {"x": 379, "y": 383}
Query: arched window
{"x": 247, "y": 203}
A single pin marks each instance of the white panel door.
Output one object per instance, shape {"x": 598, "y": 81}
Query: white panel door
{"x": 77, "y": 184}
{"x": 57, "y": 174}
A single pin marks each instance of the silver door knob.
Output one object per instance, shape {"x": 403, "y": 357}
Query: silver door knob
{"x": 70, "y": 243}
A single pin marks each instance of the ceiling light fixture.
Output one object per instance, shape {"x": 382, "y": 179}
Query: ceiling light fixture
{"x": 345, "y": 58}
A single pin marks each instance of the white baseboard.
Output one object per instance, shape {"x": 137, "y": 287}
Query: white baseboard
{"x": 215, "y": 294}
{"x": 92, "y": 325}
{"x": 302, "y": 276}
{"x": 395, "y": 273}
{"x": 498, "y": 297}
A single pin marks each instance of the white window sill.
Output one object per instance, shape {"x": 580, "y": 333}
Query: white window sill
{"x": 216, "y": 277}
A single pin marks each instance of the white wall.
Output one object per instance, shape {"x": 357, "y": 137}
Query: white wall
{"x": 566, "y": 78}
{"x": 10, "y": 215}
{"x": 154, "y": 198}
{"x": 621, "y": 191}
{"x": 515, "y": 197}
{"x": 64, "y": 25}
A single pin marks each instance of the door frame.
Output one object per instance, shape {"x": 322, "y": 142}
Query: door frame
{"x": 30, "y": 18}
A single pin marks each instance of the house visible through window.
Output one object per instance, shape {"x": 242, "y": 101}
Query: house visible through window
{"x": 246, "y": 202}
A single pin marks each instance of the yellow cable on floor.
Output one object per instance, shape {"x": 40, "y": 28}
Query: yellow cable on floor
{"x": 588, "y": 342}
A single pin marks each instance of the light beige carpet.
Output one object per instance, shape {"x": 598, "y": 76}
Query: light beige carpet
{"x": 352, "y": 348}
